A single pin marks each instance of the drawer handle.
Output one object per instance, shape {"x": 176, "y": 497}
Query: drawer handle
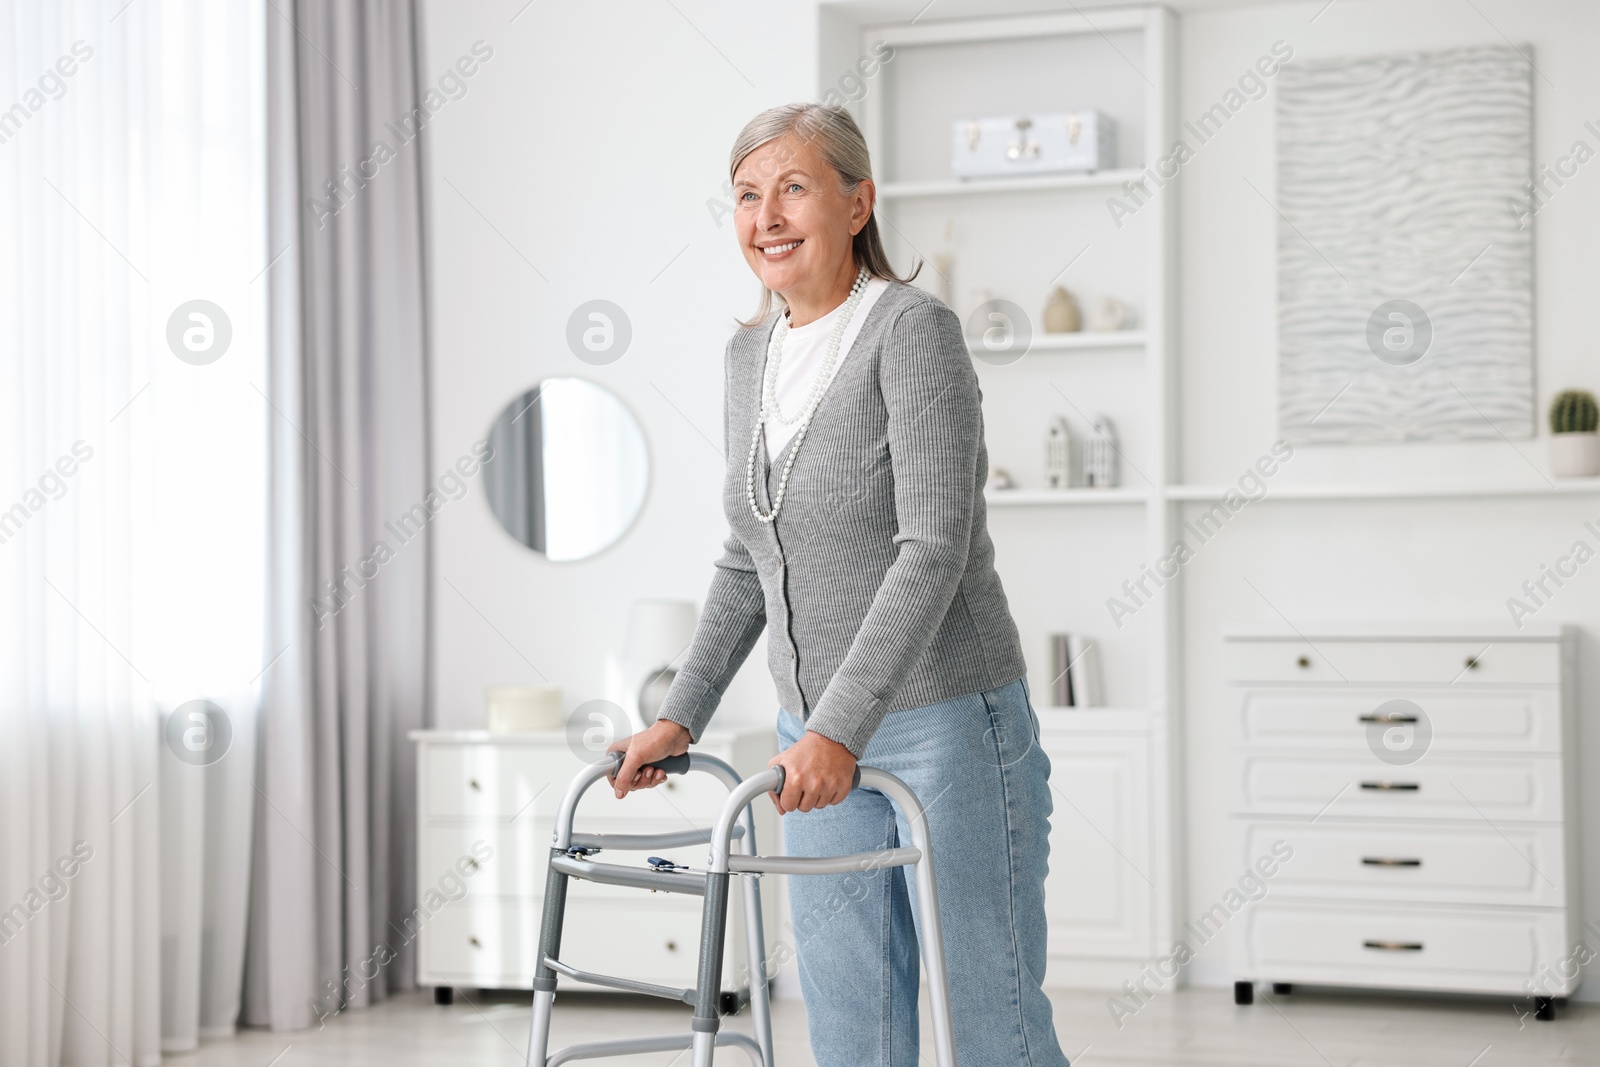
{"x": 672, "y": 946}
{"x": 1394, "y": 946}
{"x": 1472, "y": 663}
{"x": 1392, "y": 787}
{"x": 473, "y": 782}
{"x": 1389, "y": 861}
{"x": 472, "y": 863}
{"x": 474, "y": 942}
{"x": 1389, "y": 718}
{"x": 1304, "y": 662}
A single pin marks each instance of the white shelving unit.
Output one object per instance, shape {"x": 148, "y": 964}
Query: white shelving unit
{"x": 1115, "y": 906}
{"x": 1060, "y": 551}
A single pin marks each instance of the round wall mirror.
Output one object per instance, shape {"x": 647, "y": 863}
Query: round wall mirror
{"x": 568, "y": 470}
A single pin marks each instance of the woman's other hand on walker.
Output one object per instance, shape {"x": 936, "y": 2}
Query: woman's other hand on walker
{"x": 817, "y": 771}
{"x": 664, "y": 738}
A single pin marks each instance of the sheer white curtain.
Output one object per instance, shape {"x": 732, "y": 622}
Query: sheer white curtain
{"x": 132, "y": 491}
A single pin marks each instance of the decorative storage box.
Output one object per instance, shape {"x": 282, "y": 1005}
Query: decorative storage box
{"x": 1050, "y": 143}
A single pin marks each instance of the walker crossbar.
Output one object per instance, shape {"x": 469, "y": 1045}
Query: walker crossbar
{"x": 735, "y": 823}
{"x": 856, "y": 861}
{"x": 631, "y": 1046}
{"x": 637, "y": 877}
{"x": 645, "y": 842}
{"x": 628, "y": 984}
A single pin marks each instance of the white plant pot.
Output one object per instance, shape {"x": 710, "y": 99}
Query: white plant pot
{"x": 1575, "y": 455}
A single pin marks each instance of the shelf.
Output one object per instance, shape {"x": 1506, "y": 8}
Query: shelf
{"x": 1105, "y": 179}
{"x": 1068, "y": 342}
{"x": 1010, "y": 498}
{"x": 1571, "y": 487}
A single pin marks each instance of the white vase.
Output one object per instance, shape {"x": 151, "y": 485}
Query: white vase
{"x": 1575, "y": 455}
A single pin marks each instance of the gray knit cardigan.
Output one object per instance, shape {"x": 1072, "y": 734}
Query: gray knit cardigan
{"x": 876, "y": 584}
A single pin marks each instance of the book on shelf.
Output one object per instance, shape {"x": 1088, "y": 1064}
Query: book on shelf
{"x": 1074, "y": 672}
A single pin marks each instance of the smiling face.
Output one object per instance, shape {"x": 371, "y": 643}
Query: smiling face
{"x": 795, "y": 224}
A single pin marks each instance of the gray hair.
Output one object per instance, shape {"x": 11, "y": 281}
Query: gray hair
{"x": 838, "y": 138}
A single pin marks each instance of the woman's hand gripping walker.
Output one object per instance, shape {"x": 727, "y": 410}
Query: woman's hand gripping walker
{"x": 571, "y": 856}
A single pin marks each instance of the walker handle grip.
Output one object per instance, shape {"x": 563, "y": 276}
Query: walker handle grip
{"x": 855, "y": 779}
{"x": 672, "y": 764}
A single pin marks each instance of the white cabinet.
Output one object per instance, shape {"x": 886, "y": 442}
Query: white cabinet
{"x": 1424, "y": 782}
{"x": 1100, "y": 895}
{"x": 485, "y": 808}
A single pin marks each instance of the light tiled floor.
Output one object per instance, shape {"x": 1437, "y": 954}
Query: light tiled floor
{"x": 1190, "y": 1027}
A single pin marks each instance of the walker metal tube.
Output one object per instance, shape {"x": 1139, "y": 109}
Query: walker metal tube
{"x": 756, "y": 947}
{"x": 544, "y": 979}
{"x": 738, "y": 800}
{"x": 932, "y": 939}
{"x": 562, "y": 839}
{"x": 708, "y": 985}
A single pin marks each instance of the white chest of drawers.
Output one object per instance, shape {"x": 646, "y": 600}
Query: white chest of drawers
{"x": 485, "y": 804}
{"x": 1425, "y": 779}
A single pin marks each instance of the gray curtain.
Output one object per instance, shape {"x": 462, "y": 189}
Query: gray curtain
{"x": 334, "y": 833}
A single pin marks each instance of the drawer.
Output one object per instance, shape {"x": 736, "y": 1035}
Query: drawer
{"x": 495, "y": 944}
{"x": 495, "y": 781}
{"x": 527, "y": 782}
{"x": 660, "y": 943}
{"x": 1517, "y": 789}
{"x": 491, "y": 944}
{"x": 1415, "y": 863}
{"x": 1428, "y": 663}
{"x": 1462, "y": 950}
{"x": 1447, "y": 720}
{"x": 490, "y": 858}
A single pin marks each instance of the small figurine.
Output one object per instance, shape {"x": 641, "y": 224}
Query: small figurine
{"x": 1061, "y": 313}
{"x": 1107, "y": 313}
{"x": 1100, "y": 471}
{"x": 1058, "y": 454}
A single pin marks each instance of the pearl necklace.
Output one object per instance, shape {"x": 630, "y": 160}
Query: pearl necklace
{"x": 769, "y": 396}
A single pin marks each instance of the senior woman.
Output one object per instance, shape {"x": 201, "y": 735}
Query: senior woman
{"x": 854, "y": 494}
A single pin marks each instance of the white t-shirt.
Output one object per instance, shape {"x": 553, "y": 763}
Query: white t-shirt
{"x": 803, "y": 352}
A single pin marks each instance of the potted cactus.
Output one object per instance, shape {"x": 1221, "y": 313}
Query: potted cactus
{"x": 1574, "y": 446}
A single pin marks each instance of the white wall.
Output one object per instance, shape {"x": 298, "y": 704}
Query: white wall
{"x": 588, "y": 146}
{"x": 1453, "y": 559}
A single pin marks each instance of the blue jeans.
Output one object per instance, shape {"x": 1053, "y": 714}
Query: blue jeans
{"x": 976, "y": 765}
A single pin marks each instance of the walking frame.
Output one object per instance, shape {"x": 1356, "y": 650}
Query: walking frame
{"x": 571, "y": 856}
